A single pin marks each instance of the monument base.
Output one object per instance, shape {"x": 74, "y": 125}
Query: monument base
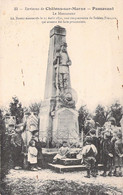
{"x": 58, "y": 125}
{"x": 65, "y": 127}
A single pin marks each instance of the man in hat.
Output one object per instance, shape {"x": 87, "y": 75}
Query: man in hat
{"x": 63, "y": 61}
{"x": 89, "y": 153}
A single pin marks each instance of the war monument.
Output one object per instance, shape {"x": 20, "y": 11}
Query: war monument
{"x": 58, "y": 114}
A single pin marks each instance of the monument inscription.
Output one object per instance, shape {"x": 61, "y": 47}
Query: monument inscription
{"x": 65, "y": 126}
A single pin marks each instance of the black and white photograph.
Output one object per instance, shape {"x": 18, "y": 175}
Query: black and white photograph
{"x": 61, "y": 104}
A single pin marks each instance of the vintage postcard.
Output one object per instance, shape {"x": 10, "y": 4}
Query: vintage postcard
{"x": 61, "y": 104}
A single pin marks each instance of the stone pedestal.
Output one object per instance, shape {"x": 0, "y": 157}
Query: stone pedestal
{"x": 65, "y": 126}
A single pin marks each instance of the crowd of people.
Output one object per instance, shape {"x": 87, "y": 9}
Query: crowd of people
{"x": 32, "y": 153}
{"x": 108, "y": 150}
{"x": 105, "y": 148}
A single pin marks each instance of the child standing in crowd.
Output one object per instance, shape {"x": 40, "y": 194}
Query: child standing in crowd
{"x": 107, "y": 154}
{"x": 32, "y": 155}
{"x": 118, "y": 154}
{"x": 89, "y": 153}
{"x": 96, "y": 143}
{"x": 62, "y": 153}
{"x": 38, "y": 145}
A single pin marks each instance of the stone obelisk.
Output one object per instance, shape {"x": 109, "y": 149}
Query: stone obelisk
{"x": 58, "y": 115}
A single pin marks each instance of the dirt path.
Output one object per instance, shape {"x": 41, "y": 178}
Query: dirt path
{"x": 21, "y": 182}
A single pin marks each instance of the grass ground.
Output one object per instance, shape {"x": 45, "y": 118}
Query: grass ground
{"x": 47, "y": 182}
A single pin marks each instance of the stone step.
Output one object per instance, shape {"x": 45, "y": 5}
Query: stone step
{"x": 70, "y": 161}
{"x": 55, "y": 150}
{"x": 68, "y": 168}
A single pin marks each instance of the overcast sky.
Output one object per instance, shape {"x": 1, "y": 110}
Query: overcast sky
{"x": 95, "y": 49}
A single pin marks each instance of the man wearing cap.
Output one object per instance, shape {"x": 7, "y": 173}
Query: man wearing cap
{"x": 63, "y": 61}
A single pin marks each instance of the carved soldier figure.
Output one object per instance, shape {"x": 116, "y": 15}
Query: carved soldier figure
{"x": 62, "y": 63}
